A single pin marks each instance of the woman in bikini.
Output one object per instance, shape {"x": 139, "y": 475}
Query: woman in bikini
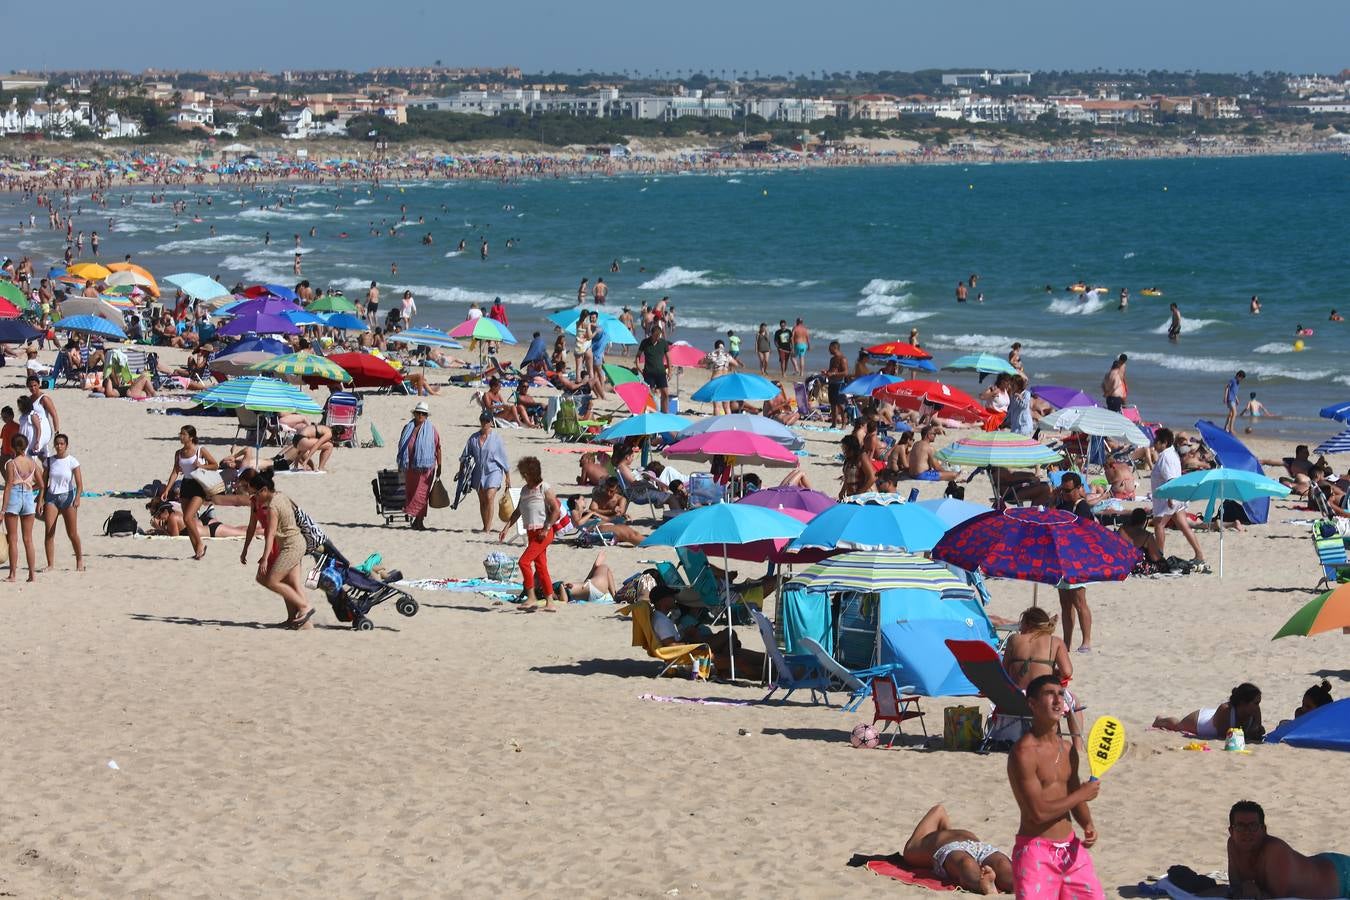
{"x": 1241, "y": 710}
{"x": 859, "y": 475}
{"x": 23, "y": 486}
{"x": 193, "y": 491}
{"x": 1035, "y": 651}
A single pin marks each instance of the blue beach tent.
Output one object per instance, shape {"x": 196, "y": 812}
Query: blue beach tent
{"x": 1233, "y": 454}
{"x": 1325, "y": 728}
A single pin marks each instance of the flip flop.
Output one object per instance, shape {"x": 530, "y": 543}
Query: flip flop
{"x": 297, "y": 624}
{"x": 528, "y": 608}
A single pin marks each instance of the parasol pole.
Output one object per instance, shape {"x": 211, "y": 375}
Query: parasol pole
{"x": 731, "y": 635}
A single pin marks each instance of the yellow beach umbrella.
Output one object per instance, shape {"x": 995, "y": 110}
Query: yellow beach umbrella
{"x": 90, "y": 270}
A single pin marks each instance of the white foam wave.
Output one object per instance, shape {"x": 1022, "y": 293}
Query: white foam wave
{"x": 254, "y": 269}
{"x": 363, "y": 202}
{"x": 1129, "y": 255}
{"x": 733, "y": 181}
{"x": 1274, "y": 347}
{"x": 456, "y": 295}
{"x": 746, "y": 331}
{"x": 454, "y": 253}
{"x": 1188, "y": 326}
{"x": 1208, "y": 364}
{"x": 674, "y": 277}
{"x": 884, "y": 286}
{"x": 207, "y": 243}
{"x": 272, "y": 215}
{"x": 1076, "y": 307}
{"x": 996, "y": 343}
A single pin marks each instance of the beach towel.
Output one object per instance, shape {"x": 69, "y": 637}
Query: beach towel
{"x": 895, "y": 867}
{"x": 503, "y": 589}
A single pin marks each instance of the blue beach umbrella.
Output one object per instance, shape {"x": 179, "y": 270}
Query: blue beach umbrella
{"x": 16, "y": 331}
{"x": 343, "y": 321}
{"x": 616, "y": 331}
{"x": 953, "y": 512}
{"x": 249, "y": 345}
{"x": 424, "y": 337}
{"x": 760, "y": 425}
{"x": 1338, "y": 444}
{"x": 92, "y": 325}
{"x": 1214, "y": 486}
{"x": 301, "y": 317}
{"x": 258, "y": 394}
{"x": 736, "y": 386}
{"x": 280, "y": 290}
{"x": 855, "y": 525}
{"x": 1338, "y": 411}
{"x": 196, "y": 285}
{"x": 865, "y": 385}
{"x": 725, "y": 524}
{"x": 643, "y": 425}
{"x": 258, "y": 323}
{"x": 986, "y": 363}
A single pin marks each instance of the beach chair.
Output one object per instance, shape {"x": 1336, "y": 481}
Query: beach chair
{"x": 1331, "y": 555}
{"x": 797, "y": 672}
{"x": 1010, "y": 716}
{"x": 705, "y": 490}
{"x": 642, "y": 493}
{"x": 390, "y": 495}
{"x": 893, "y": 707}
{"x": 341, "y": 413}
{"x": 566, "y": 424}
{"x": 808, "y": 411}
{"x": 143, "y": 362}
{"x": 857, "y": 682}
{"x": 262, "y": 428}
{"x": 675, "y": 656}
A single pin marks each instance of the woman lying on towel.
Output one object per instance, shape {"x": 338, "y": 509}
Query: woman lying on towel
{"x": 1241, "y": 710}
{"x": 957, "y": 855}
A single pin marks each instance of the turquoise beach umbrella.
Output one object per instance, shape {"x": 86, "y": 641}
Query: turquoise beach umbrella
{"x": 259, "y": 395}
{"x": 1214, "y": 486}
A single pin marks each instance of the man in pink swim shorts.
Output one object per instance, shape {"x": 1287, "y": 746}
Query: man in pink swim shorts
{"x": 1049, "y": 861}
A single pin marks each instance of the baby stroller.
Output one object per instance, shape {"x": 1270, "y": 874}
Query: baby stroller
{"x": 352, "y": 593}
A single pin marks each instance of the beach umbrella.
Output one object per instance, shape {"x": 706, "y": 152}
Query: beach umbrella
{"x": 198, "y": 286}
{"x": 736, "y": 386}
{"x": 14, "y": 294}
{"x": 257, "y": 323}
{"x": 1338, "y": 411}
{"x": 746, "y": 447}
{"x": 91, "y": 306}
{"x": 1327, "y": 611}
{"x": 424, "y": 337}
{"x": 367, "y": 370}
{"x": 92, "y": 325}
{"x": 303, "y": 365}
{"x": 774, "y": 550}
{"x": 986, "y": 363}
{"x": 899, "y": 350}
{"x": 90, "y": 271}
{"x": 875, "y": 571}
{"x": 9, "y": 310}
{"x": 1098, "y": 422}
{"x": 872, "y": 522}
{"x": 1214, "y": 486}
{"x": 866, "y": 384}
{"x": 301, "y": 317}
{"x": 752, "y": 424}
{"x": 615, "y": 330}
{"x": 16, "y": 331}
{"x": 724, "y": 525}
{"x": 344, "y": 321}
{"x": 332, "y": 303}
{"x": 1062, "y": 397}
{"x": 785, "y": 499}
{"x": 998, "y": 449}
{"x": 1044, "y": 546}
{"x": 642, "y": 425}
{"x": 129, "y": 278}
{"x": 952, "y": 402}
{"x": 1338, "y": 444}
{"x": 267, "y": 306}
{"x": 618, "y": 374}
{"x": 273, "y": 290}
{"x": 684, "y": 354}
{"x": 636, "y": 396}
{"x": 483, "y": 329}
{"x": 953, "y": 512}
{"x": 259, "y": 394}
{"x": 269, "y": 345}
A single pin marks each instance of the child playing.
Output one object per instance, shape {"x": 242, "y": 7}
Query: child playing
{"x": 1255, "y": 409}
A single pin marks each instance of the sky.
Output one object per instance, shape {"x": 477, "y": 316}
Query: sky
{"x": 707, "y": 35}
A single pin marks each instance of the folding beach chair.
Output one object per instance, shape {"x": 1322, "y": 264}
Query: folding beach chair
{"x": 805, "y": 408}
{"x": 796, "y": 672}
{"x": 675, "y": 656}
{"x": 1331, "y": 553}
{"x": 857, "y": 682}
{"x": 341, "y": 413}
{"x": 390, "y": 495}
{"x": 894, "y": 707}
{"x": 642, "y": 493}
{"x": 1011, "y": 715}
{"x": 566, "y": 424}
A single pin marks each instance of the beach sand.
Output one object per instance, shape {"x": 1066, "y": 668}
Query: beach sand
{"x": 476, "y": 751}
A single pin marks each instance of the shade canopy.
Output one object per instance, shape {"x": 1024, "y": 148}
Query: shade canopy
{"x": 877, "y": 571}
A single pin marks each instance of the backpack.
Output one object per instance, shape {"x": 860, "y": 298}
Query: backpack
{"x": 121, "y": 522}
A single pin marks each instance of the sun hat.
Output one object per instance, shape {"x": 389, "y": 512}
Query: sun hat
{"x": 422, "y": 408}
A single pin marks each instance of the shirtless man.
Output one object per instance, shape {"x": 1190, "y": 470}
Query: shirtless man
{"x": 1048, "y": 858}
{"x": 1260, "y": 865}
{"x": 600, "y": 292}
{"x": 923, "y": 461}
{"x": 801, "y": 342}
{"x": 373, "y": 305}
{"x": 957, "y": 855}
{"x": 1113, "y": 385}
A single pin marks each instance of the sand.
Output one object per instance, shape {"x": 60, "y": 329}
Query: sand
{"x": 162, "y": 743}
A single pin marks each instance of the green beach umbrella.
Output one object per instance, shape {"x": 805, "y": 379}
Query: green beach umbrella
{"x": 873, "y": 571}
{"x": 14, "y": 294}
{"x": 986, "y": 363}
{"x": 303, "y": 365}
{"x": 332, "y": 303}
{"x": 1001, "y": 449}
{"x": 618, "y": 374}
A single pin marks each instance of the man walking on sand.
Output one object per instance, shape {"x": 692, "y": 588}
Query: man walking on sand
{"x": 1049, "y": 860}
{"x": 1165, "y": 469}
{"x": 782, "y": 339}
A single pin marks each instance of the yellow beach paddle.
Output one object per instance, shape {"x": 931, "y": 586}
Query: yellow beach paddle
{"x": 1106, "y": 742}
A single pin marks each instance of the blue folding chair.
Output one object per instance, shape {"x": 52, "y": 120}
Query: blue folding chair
{"x": 796, "y": 672}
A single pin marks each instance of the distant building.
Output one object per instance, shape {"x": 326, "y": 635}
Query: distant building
{"x": 22, "y": 83}
{"x": 978, "y": 79}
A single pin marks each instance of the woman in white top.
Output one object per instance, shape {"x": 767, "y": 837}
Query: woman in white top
{"x": 188, "y": 459}
{"x": 65, "y": 484}
{"x": 409, "y": 309}
{"x": 33, "y": 426}
{"x": 538, "y": 510}
{"x": 996, "y": 395}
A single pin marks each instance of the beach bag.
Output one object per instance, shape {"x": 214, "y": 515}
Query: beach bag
{"x": 121, "y": 522}
{"x": 315, "y": 539}
{"x": 438, "y": 497}
{"x": 499, "y": 566}
{"x": 962, "y": 728}
{"x": 505, "y": 508}
{"x": 210, "y": 480}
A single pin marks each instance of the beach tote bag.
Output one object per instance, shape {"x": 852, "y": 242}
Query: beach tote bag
{"x": 210, "y": 480}
{"x": 505, "y": 508}
{"x": 439, "y": 497}
{"x": 962, "y": 728}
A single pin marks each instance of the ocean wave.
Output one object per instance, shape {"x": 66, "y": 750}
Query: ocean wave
{"x": 363, "y": 202}
{"x": 426, "y": 293}
{"x": 996, "y": 343}
{"x": 1180, "y": 363}
{"x": 1129, "y": 255}
{"x": 747, "y": 331}
{"x": 1274, "y": 347}
{"x": 1188, "y": 326}
{"x": 255, "y": 269}
{"x": 454, "y": 253}
{"x": 674, "y": 277}
{"x": 884, "y": 286}
{"x": 1066, "y": 307}
{"x": 733, "y": 181}
{"x": 273, "y": 215}
{"x": 195, "y": 245}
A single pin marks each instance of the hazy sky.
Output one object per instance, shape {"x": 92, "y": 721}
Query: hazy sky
{"x": 796, "y": 35}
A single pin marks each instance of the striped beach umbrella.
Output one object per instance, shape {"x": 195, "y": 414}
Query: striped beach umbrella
{"x": 424, "y": 337}
{"x": 1325, "y": 612}
{"x": 302, "y": 365}
{"x": 999, "y": 449}
{"x": 14, "y": 294}
{"x": 259, "y": 394}
{"x": 1338, "y": 444}
{"x": 874, "y": 571}
{"x": 483, "y": 329}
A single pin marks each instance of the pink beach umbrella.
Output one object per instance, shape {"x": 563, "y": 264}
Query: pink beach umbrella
{"x": 682, "y": 354}
{"x": 743, "y": 445}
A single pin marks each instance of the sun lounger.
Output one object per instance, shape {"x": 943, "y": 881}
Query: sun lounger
{"x": 675, "y": 656}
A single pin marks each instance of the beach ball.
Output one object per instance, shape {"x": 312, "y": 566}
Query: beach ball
{"x": 1298, "y": 346}
{"x": 766, "y": 192}
{"x": 970, "y": 187}
{"x": 864, "y": 736}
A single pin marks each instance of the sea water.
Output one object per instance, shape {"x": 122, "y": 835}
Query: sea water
{"x": 861, "y": 254}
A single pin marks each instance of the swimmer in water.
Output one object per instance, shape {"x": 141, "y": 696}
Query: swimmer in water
{"x": 1256, "y": 305}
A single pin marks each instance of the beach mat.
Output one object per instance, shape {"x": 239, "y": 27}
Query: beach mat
{"x": 895, "y": 867}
